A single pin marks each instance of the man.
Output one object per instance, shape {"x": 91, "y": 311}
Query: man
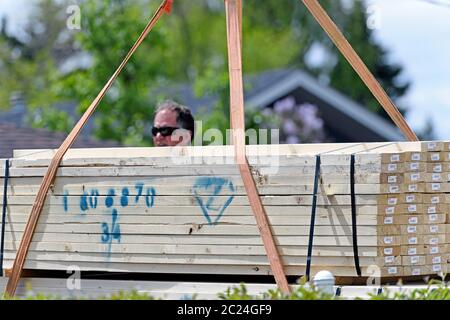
{"x": 173, "y": 125}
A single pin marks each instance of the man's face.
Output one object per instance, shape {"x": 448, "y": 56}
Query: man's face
{"x": 168, "y": 118}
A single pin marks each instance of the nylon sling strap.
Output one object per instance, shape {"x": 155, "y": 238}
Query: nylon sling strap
{"x": 52, "y": 169}
{"x": 5, "y": 205}
{"x": 358, "y": 65}
{"x": 313, "y": 218}
{"x": 354, "y": 222}
{"x": 233, "y": 12}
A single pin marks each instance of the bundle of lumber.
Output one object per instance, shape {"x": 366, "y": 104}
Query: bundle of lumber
{"x": 185, "y": 210}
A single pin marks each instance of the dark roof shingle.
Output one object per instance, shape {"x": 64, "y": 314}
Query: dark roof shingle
{"x": 13, "y": 137}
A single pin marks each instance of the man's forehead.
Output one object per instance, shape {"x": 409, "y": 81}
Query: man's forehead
{"x": 166, "y": 116}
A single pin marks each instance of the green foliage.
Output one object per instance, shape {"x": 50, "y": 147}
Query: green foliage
{"x": 344, "y": 78}
{"x": 301, "y": 293}
{"x": 132, "y": 295}
{"x": 188, "y": 46}
{"x": 236, "y": 293}
{"x": 109, "y": 30}
{"x": 29, "y": 64}
{"x": 27, "y": 79}
{"x": 436, "y": 290}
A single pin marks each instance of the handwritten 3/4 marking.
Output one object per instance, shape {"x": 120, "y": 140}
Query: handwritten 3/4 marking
{"x": 112, "y": 232}
{"x": 91, "y": 200}
{"x": 207, "y": 191}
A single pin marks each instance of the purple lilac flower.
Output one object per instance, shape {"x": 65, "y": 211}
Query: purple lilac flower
{"x": 292, "y": 140}
{"x": 307, "y": 113}
{"x": 289, "y": 127}
{"x": 284, "y": 105}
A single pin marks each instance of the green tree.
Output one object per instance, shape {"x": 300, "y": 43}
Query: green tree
{"x": 109, "y": 30}
{"x": 187, "y": 47}
{"x": 351, "y": 17}
{"x": 29, "y": 64}
{"x": 375, "y": 56}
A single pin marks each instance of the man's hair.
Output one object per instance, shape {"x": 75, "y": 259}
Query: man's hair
{"x": 185, "y": 119}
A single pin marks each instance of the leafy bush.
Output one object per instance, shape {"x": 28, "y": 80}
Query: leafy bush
{"x": 303, "y": 292}
{"x": 436, "y": 290}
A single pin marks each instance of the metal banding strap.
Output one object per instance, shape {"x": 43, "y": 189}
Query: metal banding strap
{"x": 354, "y": 225}
{"x": 5, "y": 204}
{"x": 313, "y": 217}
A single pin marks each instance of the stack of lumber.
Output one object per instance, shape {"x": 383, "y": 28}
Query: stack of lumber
{"x": 185, "y": 210}
{"x": 416, "y": 201}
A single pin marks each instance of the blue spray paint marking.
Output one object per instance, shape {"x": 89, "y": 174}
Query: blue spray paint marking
{"x": 84, "y": 202}
{"x": 65, "y": 201}
{"x": 139, "y": 188}
{"x": 105, "y": 232}
{"x": 206, "y": 190}
{"x": 124, "y": 197}
{"x": 109, "y": 201}
{"x": 150, "y": 197}
{"x": 90, "y": 200}
{"x": 113, "y": 233}
{"x": 93, "y": 199}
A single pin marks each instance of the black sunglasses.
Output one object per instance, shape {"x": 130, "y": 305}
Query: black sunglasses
{"x": 165, "y": 131}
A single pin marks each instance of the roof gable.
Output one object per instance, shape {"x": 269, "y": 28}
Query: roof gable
{"x": 13, "y": 137}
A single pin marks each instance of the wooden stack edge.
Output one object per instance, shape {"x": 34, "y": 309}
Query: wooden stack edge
{"x": 417, "y": 195}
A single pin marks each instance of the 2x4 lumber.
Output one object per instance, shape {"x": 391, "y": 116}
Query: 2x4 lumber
{"x": 239, "y": 189}
{"x": 198, "y": 159}
{"x": 325, "y": 149}
{"x": 281, "y": 179}
{"x": 73, "y": 207}
{"x": 268, "y": 200}
{"x": 193, "y": 249}
{"x": 198, "y": 217}
{"x": 194, "y": 259}
{"x": 205, "y": 269}
{"x": 193, "y": 170}
{"x": 198, "y": 239}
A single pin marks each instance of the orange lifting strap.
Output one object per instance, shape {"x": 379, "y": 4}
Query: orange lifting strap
{"x": 234, "y": 28}
{"x": 234, "y": 37}
{"x": 358, "y": 65}
{"x": 51, "y": 171}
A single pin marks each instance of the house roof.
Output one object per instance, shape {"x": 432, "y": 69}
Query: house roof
{"x": 13, "y": 137}
{"x": 271, "y": 86}
{"x": 18, "y": 115}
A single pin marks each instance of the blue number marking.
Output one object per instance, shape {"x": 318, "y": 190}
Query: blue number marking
{"x": 83, "y": 202}
{"x": 150, "y": 197}
{"x": 124, "y": 197}
{"x": 109, "y": 201}
{"x": 139, "y": 188}
{"x": 93, "y": 199}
